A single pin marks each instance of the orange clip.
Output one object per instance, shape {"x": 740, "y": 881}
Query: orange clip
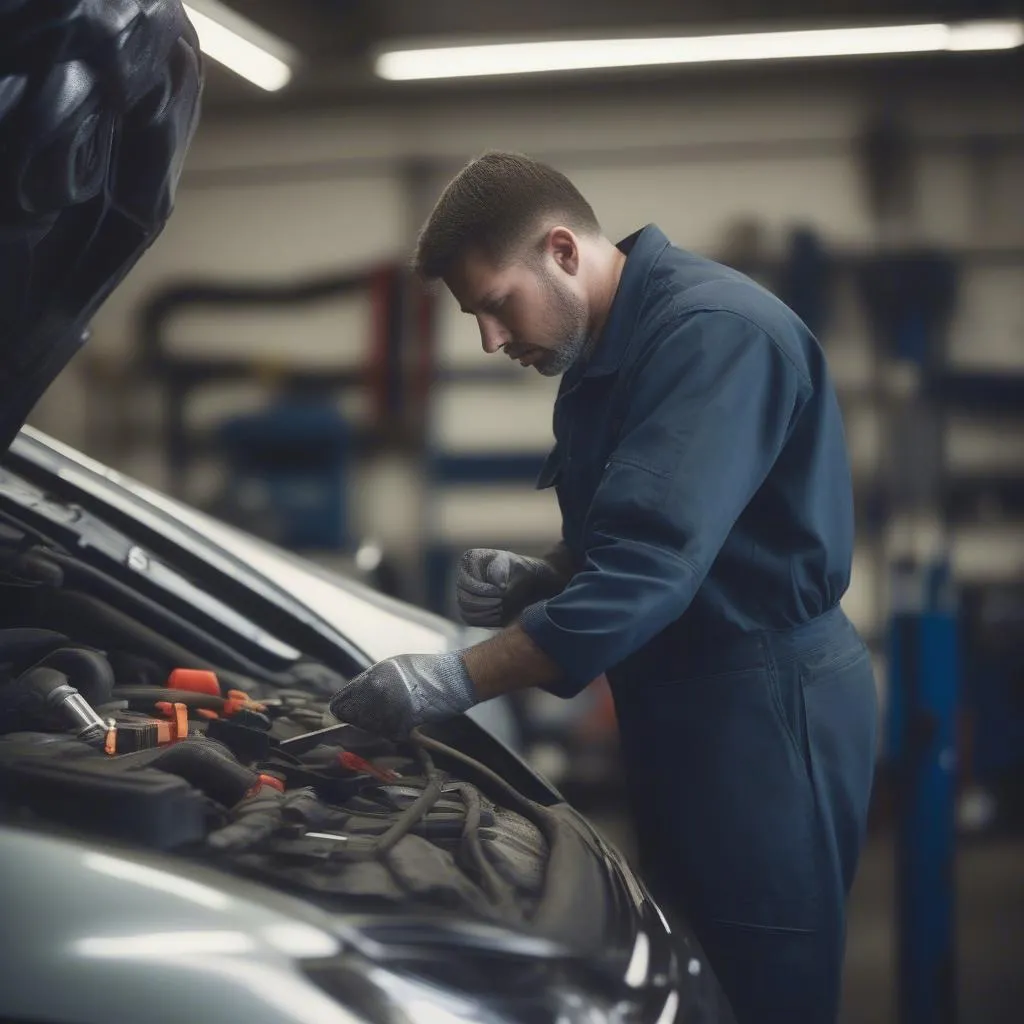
{"x": 177, "y": 727}
{"x": 180, "y": 721}
{"x": 110, "y": 743}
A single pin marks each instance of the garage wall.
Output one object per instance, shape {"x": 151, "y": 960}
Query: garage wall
{"x": 276, "y": 198}
{"x": 282, "y": 196}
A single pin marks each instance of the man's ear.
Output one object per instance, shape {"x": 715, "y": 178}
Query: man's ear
{"x": 564, "y": 248}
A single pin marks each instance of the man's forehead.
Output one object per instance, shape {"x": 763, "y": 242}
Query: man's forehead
{"x": 474, "y": 277}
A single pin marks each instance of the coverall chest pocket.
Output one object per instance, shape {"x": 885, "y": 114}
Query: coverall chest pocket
{"x": 555, "y": 473}
{"x": 593, "y": 422}
{"x": 587, "y": 424}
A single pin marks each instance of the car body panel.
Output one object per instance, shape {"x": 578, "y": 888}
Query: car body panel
{"x": 109, "y": 935}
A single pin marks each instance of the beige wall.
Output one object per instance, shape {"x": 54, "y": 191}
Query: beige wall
{"x": 278, "y": 198}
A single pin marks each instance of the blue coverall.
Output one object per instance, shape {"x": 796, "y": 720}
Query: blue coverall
{"x": 701, "y": 470}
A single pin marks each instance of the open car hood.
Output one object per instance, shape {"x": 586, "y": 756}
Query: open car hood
{"x": 23, "y": 385}
{"x": 98, "y": 105}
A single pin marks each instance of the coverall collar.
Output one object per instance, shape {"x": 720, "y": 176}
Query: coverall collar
{"x": 642, "y": 249}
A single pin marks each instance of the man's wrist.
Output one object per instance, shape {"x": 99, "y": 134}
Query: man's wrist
{"x": 508, "y": 662}
{"x": 561, "y": 560}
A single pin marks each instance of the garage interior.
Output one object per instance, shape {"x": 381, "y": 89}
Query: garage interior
{"x": 272, "y": 361}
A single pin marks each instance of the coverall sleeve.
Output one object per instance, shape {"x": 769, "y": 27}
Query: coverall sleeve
{"x": 711, "y": 406}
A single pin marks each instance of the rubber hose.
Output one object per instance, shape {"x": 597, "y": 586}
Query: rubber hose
{"x": 23, "y": 702}
{"x": 257, "y": 820}
{"x": 44, "y": 695}
{"x": 416, "y": 811}
{"x": 406, "y": 821}
{"x": 89, "y": 672}
{"x": 205, "y": 764}
{"x": 145, "y": 698}
{"x": 529, "y": 811}
{"x": 19, "y": 645}
{"x": 498, "y": 889}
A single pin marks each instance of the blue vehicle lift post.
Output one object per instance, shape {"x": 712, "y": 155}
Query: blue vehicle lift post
{"x": 924, "y": 672}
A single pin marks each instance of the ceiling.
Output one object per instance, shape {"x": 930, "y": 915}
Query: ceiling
{"x": 337, "y": 40}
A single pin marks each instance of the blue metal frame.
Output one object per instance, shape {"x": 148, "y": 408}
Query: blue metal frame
{"x": 924, "y": 693}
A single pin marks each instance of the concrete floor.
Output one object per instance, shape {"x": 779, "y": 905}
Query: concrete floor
{"x": 990, "y": 935}
{"x": 990, "y": 929}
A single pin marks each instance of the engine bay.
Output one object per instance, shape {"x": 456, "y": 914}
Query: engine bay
{"x": 137, "y": 711}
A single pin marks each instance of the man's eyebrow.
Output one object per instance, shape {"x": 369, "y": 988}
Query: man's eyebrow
{"x": 487, "y": 300}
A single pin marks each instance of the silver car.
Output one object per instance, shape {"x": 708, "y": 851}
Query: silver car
{"x": 137, "y": 887}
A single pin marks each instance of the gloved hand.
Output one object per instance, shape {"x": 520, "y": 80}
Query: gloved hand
{"x": 493, "y": 587}
{"x": 396, "y": 695}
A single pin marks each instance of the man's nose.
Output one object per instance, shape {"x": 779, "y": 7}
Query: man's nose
{"x": 492, "y": 337}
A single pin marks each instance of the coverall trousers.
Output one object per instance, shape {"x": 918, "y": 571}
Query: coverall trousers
{"x": 750, "y": 771}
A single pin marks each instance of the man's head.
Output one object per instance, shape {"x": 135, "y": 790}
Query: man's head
{"x": 515, "y": 241}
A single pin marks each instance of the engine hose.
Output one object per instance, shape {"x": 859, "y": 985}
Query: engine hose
{"x": 88, "y": 671}
{"x": 43, "y": 692}
{"x": 82, "y": 578}
{"x": 23, "y": 643}
{"x": 202, "y": 763}
{"x": 556, "y": 862}
{"x": 497, "y": 888}
{"x": 416, "y": 811}
{"x": 258, "y": 819}
{"x": 515, "y": 798}
{"x": 145, "y": 698}
{"x": 407, "y": 820}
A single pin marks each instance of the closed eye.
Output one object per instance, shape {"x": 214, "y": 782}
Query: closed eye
{"x": 490, "y": 306}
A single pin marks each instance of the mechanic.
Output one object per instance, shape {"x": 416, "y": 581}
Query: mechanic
{"x": 706, "y": 500}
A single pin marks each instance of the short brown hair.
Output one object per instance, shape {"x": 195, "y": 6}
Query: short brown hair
{"x": 491, "y": 205}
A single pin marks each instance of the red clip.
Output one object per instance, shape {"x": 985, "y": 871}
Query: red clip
{"x": 195, "y": 679}
{"x": 355, "y": 763}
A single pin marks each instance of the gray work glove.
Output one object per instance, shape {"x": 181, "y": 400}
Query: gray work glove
{"x": 494, "y": 587}
{"x": 396, "y": 695}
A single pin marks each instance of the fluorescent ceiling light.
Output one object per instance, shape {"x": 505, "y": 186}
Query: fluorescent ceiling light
{"x": 572, "y": 55}
{"x": 241, "y": 45}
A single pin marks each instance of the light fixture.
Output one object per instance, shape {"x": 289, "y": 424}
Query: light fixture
{"x": 571, "y": 55}
{"x": 241, "y": 45}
